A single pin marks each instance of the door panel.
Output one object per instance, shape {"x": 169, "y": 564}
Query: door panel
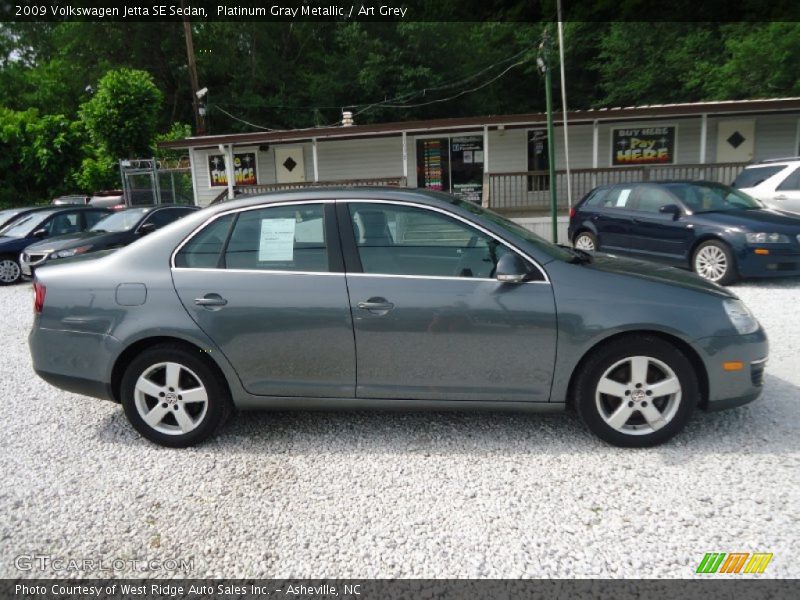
{"x": 286, "y": 334}
{"x": 454, "y": 339}
{"x": 613, "y": 219}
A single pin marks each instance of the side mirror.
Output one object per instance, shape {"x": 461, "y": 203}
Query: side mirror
{"x": 671, "y": 209}
{"x": 147, "y": 228}
{"x": 40, "y": 233}
{"x": 511, "y": 269}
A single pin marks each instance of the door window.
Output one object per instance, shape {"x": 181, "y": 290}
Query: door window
{"x": 93, "y": 216}
{"x": 282, "y": 238}
{"x": 650, "y": 198}
{"x": 402, "y": 240}
{"x": 792, "y": 182}
{"x": 203, "y": 250}
{"x": 64, "y": 223}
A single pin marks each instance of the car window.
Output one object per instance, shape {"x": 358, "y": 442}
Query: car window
{"x": 752, "y": 177}
{"x": 596, "y": 197}
{"x": 650, "y": 198}
{"x": 25, "y": 224}
{"x": 403, "y": 240}
{"x": 280, "y": 238}
{"x": 711, "y": 197}
{"x": 63, "y": 224}
{"x": 165, "y": 216}
{"x": 792, "y": 182}
{"x": 123, "y": 220}
{"x": 204, "y": 249}
{"x": 93, "y": 216}
{"x": 616, "y": 197}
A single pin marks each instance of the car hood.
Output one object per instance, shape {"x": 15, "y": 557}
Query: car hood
{"x": 72, "y": 240}
{"x": 754, "y": 220}
{"x": 656, "y": 272}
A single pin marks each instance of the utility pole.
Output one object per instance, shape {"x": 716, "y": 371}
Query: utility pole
{"x": 199, "y": 121}
{"x": 543, "y": 61}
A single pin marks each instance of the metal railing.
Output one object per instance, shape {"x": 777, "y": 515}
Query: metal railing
{"x": 529, "y": 191}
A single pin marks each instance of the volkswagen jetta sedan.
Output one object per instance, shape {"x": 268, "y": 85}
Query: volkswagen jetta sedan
{"x": 386, "y": 298}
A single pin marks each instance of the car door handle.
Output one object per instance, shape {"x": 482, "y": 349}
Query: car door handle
{"x": 378, "y": 305}
{"x": 781, "y": 197}
{"x": 211, "y": 301}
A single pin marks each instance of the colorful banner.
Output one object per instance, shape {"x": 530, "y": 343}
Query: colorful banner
{"x": 642, "y": 146}
{"x": 244, "y": 169}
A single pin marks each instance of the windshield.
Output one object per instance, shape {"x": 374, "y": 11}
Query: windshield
{"x": 712, "y": 197}
{"x": 8, "y": 213}
{"x": 122, "y": 221}
{"x": 752, "y": 177}
{"x": 541, "y": 244}
{"x": 21, "y": 227}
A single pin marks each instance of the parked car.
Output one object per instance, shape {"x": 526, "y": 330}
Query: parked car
{"x": 386, "y": 298}
{"x": 11, "y": 214}
{"x": 719, "y": 232}
{"x": 775, "y": 182}
{"x": 70, "y": 199}
{"x": 112, "y": 231}
{"x": 35, "y": 226}
{"x": 114, "y": 199}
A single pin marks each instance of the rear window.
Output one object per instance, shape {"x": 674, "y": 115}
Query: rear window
{"x": 756, "y": 175}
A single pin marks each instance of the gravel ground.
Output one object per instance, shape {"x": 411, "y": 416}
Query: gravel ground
{"x": 399, "y": 494}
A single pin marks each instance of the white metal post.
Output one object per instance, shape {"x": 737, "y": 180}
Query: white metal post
{"x": 703, "y": 136}
{"x": 485, "y": 200}
{"x": 405, "y": 159}
{"x": 228, "y": 152}
{"x": 595, "y": 149}
{"x": 314, "y": 159}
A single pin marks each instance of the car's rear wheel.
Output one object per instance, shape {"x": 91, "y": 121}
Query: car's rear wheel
{"x": 173, "y": 396}
{"x": 10, "y": 271}
{"x": 714, "y": 261}
{"x": 585, "y": 240}
{"x": 636, "y": 391}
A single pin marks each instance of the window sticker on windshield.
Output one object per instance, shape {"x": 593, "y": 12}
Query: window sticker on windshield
{"x": 623, "y": 197}
{"x": 277, "y": 240}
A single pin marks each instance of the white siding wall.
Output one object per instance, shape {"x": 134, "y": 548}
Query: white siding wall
{"x": 776, "y": 136}
{"x": 360, "y": 159}
{"x": 204, "y": 193}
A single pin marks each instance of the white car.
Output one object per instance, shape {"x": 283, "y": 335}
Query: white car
{"x": 776, "y": 182}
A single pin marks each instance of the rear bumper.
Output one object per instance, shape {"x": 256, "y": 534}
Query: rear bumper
{"x": 74, "y": 361}
{"x": 732, "y": 388}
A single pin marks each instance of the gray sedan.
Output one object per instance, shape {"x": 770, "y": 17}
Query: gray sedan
{"x": 387, "y": 298}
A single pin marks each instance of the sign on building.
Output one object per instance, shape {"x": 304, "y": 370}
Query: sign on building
{"x": 642, "y": 146}
{"x": 244, "y": 169}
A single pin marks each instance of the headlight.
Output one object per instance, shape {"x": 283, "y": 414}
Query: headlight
{"x": 766, "y": 238}
{"x": 70, "y": 252}
{"x": 740, "y": 316}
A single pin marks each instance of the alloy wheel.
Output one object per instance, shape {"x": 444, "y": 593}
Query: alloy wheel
{"x": 9, "y": 270}
{"x": 584, "y": 242}
{"x": 711, "y": 263}
{"x": 170, "y": 398}
{"x": 638, "y": 395}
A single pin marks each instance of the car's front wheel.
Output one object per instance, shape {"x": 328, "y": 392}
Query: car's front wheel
{"x": 10, "y": 271}
{"x": 714, "y": 261}
{"x": 173, "y": 396}
{"x": 636, "y": 391}
{"x": 585, "y": 240}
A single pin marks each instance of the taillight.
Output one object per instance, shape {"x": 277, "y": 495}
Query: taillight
{"x": 39, "y": 291}
{"x": 571, "y": 212}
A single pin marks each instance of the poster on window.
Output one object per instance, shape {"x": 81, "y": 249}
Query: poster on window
{"x": 643, "y": 146}
{"x": 466, "y": 166}
{"x": 244, "y": 169}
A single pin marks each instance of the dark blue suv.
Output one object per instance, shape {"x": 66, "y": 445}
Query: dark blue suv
{"x": 717, "y": 231}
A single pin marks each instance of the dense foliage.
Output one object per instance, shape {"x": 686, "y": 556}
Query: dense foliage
{"x": 76, "y": 96}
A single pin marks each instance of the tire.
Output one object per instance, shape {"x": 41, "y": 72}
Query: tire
{"x": 10, "y": 271}
{"x": 174, "y": 420}
{"x": 625, "y": 414}
{"x": 713, "y": 260}
{"x": 585, "y": 240}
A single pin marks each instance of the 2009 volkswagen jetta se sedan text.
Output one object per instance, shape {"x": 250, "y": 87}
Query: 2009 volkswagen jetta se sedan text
{"x": 386, "y": 298}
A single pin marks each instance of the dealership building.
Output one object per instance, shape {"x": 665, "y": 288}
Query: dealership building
{"x": 501, "y": 160}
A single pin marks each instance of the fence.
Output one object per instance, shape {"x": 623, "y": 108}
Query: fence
{"x": 529, "y": 191}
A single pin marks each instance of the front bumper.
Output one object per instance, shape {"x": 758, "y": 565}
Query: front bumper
{"x": 29, "y": 261}
{"x": 732, "y": 388}
{"x": 783, "y": 260}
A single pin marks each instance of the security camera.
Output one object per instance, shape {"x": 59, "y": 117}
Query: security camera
{"x": 201, "y": 93}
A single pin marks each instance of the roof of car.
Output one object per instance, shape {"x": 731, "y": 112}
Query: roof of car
{"x": 419, "y": 196}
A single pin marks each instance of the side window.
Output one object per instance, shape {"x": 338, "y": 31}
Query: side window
{"x": 618, "y": 197}
{"x": 402, "y": 240}
{"x": 792, "y": 182}
{"x": 165, "y": 216}
{"x": 204, "y": 249}
{"x": 282, "y": 238}
{"x": 64, "y": 223}
{"x": 650, "y": 198}
{"x": 596, "y": 198}
{"x": 93, "y": 216}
